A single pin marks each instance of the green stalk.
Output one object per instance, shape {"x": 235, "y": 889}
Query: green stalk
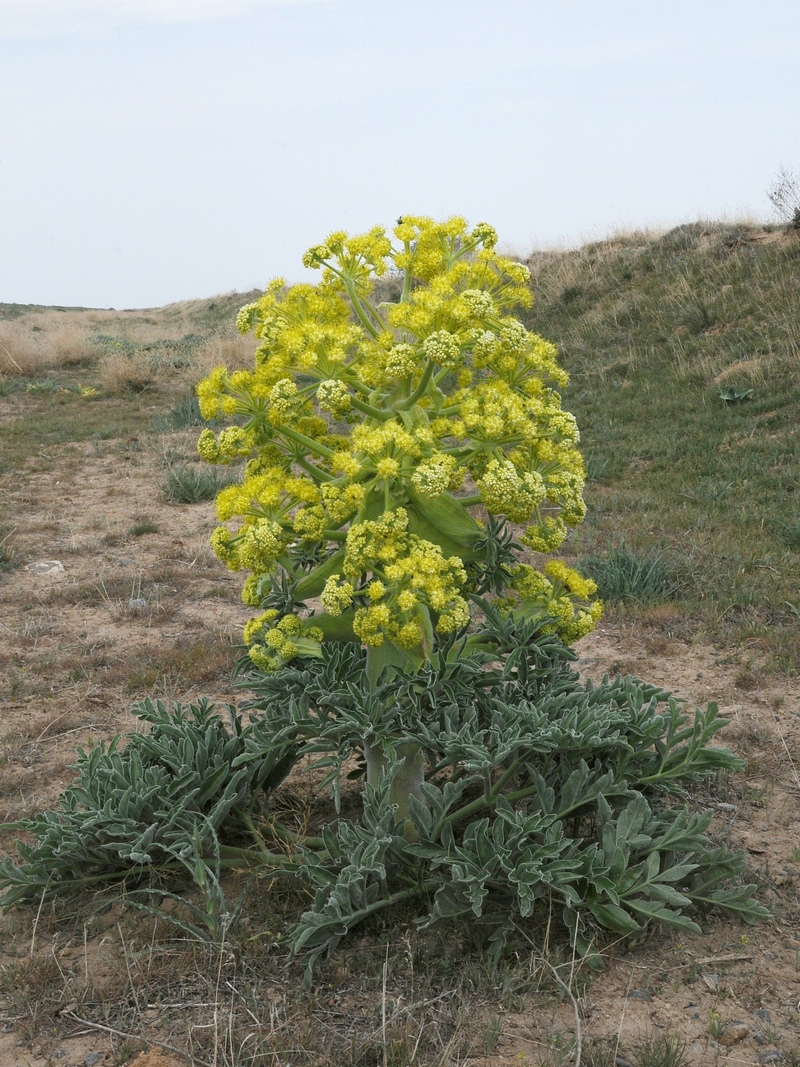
{"x": 315, "y": 472}
{"x": 358, "y": 386}
{"x": 251, "y": 826}
{"x": 307, "y": 442}
{"x": 406, "y": 279}
{"x": 232, "y": 857}
{"x": 419, "y": 392}
{"x": 368, "y": 409}
{"x": 280, "y": 832}
{"x": 355, "y": 917}
{"x": 373, "y": 311}
{"x": 480, "y": 802}
{"x": 355, "y": 300}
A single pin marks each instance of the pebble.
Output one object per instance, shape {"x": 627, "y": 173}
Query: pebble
{"x": 762, "y": 1013}
{"x": 92, "y": 1059}
{"x": 770, "y": 1056}
{"x": 46, "y": 568}
{"x": 734, "y": 1033}
{"x": 639, "y": 994}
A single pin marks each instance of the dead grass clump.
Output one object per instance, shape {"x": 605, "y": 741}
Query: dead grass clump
{"x": 751, "y": 369}
{"x": 7, "y": 543}
{"x": 38, "y": 977}
{"x": 127, "y": 374}
{"x": 21, "y": 351}
{"x": 234, "y": 350}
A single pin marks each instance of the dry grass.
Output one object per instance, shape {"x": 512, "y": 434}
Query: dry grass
{"x": 121, "y": 351}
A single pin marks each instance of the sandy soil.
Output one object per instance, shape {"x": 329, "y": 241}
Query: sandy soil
{"x": 129, "y": 613}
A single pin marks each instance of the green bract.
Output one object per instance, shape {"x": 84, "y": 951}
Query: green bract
{"x": 391, "y": 407}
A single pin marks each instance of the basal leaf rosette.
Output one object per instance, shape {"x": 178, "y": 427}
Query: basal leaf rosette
{"x": 394, "y": 409}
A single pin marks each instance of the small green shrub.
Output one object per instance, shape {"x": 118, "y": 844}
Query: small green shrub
{"x": 735, "y": 396}
{"x": 661, "y": 1050}
{"x": 142, "y": 527}
{"x": 184, "y": 413}
{"x": 188, "y": 483}
{"x": 624, "y": 575}
{"x": 43, "y": 385}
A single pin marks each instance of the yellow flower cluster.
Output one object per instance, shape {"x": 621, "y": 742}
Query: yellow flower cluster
{"x": 333, "y": 396}
{"x": 229, "y": 444}
{"x": 271, "y": 643}
{"x": 364, "y": 419}
{"x": 437, "y": 474}
{"x": 554, "y": 594}
{"x": 505, "y": 491}
{"x": 393, "y": 575}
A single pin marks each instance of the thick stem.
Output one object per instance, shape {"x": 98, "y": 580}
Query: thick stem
{"x": 375, "y": 760}
{"x": 410, "y": 775}
{"x": 408, "y": 779}
{"x": 317, "y": 474}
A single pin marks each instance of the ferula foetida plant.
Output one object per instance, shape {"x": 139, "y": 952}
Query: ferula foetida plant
{"x": 398, "y": 417}
{"x": 407, "y": 459}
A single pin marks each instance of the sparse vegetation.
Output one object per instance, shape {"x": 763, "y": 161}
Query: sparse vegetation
{"x": 652, "y": 330}
{"x": 184, "y": 413}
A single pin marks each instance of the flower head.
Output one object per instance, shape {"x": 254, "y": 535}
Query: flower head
{"x": 375, "y": 415}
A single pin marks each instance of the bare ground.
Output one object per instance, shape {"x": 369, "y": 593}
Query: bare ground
{"x": 132, "y": 613}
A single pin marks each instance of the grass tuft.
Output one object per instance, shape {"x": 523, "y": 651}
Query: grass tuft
{"x": 142, "y": 527}
{"x": 623, "y": 575}
{"x": 183, "y": 415}
{"x": 188, "y": 483}
{"x": 661, "y": 1050}
{"x": 789, "y": 532}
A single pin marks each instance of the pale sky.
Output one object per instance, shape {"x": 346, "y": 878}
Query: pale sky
{"x": 159, "y": 150}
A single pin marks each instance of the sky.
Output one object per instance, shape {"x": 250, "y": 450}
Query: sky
{"x": 159, "y": 150}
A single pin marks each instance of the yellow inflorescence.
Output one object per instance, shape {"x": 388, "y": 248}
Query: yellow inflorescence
{"x": 364, "y": 418}
{"x": 409, "y": 572}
